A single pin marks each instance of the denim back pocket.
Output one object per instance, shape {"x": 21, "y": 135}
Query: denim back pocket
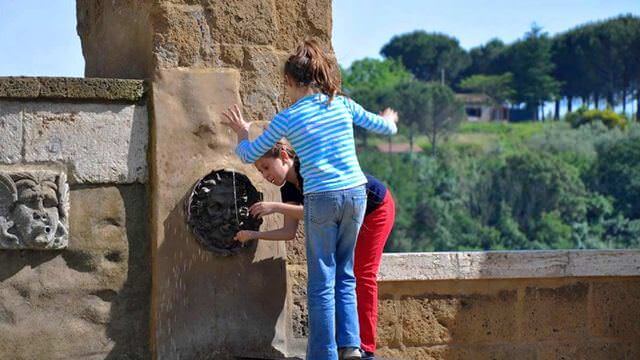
{"x": 359, "y": 207}
{"x": 322, "y": 209}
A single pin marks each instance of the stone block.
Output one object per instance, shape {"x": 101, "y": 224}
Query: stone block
{"x": 300, "y": 19}
{"x": 100, "y": 143}
{"x": 468, "y": 319}
{"x": 389, "y": 327}
{"x": 183, "y": 37}
{"x": 594, "y": 350}
{"x": 486, "y": 319}
{"x": 296, "y": 249}
{"x": 126, "y": 29}
{"x": 299, "y": 314}
{"x": 249, "y": 22}
{"x": 426, "y": 321}
{"x": 411, "y": 353}
{"x": 19, "y": 87}
{"x": 10, "y": 132}
{"x": 232, "y": 55}
{"x": 615, "y": 309}
{"x": 72, "y": 88}
{"x": 448, "y": 352}
{"x": 556, "y": 313}
{"x": 262, "y": 86}
{"x": 489, "y": 352}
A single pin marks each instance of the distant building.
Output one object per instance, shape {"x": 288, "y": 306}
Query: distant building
{"x": 481, "y": 107}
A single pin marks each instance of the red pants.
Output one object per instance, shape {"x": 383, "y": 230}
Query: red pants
{"x": 373, "y": 235}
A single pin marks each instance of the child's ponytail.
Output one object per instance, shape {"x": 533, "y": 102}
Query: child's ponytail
{"x": 310, "y": 66}
{"x": 278, "y": 148}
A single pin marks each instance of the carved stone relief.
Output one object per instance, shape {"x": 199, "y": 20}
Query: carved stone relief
{"x": 34, "y": 208}
{"x": 218, "y": 208}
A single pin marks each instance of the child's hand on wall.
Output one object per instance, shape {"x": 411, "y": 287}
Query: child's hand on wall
{"x": 236, "y": 122}
{"x": 263, "y": 208}
{"x": 245, "y": 235}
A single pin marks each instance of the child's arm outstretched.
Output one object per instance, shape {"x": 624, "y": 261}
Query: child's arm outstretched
{"x": 264, "y": 208}
{"x": 384, "y": 124}
{"x": 287, "y": 232}
{"x": 250, "y": 151}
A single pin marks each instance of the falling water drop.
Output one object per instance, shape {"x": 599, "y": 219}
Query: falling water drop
{"x": 235, "y": 196}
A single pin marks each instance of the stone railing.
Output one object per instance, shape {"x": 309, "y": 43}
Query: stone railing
{"x": 510, "y": 305}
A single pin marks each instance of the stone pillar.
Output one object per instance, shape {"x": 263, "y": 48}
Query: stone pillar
{"x": 202, "y": 56}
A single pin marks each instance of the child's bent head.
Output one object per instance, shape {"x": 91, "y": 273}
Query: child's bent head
{"x": 309, "y": 66}
{"x": 276, "y": 163}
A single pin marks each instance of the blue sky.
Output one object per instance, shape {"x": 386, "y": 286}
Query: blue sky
{"x": 38, "y": 37}
{"x": 361, "y": 27}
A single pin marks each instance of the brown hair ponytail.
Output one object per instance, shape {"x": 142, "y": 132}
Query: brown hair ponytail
{"x": 278, "y": 148}
{"x": 310, "y": 66}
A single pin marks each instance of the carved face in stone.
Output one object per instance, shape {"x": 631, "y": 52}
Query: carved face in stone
{"x": 33, "y": 215}
{"x": 36, "y": 212}
{"x": 219, "y": 207}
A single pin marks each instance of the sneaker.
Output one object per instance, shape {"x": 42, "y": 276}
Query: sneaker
{"x": 349, "y": 354}
{"x": 366, "y": 355}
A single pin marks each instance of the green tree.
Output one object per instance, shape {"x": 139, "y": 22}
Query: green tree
{"x": 530, "y": 63}
{"x": 617, "y": 174}
{"x": 428, "y": 108}
{"x": 486, "y": 59}
{"x": 428, "y": 55}
{"x": 533, "y": 184}
{"x": 599, "y": 59}
{"x": 368, "y": 80}
{"x": 370, "y": 73}
{"x": 551, "y": 232}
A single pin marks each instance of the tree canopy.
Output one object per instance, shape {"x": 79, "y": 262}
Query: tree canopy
{"x": 427, "y": 55}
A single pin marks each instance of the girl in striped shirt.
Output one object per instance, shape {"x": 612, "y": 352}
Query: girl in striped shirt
{"x": 319, "y": 126}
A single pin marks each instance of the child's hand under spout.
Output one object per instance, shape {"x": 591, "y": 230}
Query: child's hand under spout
{"x": 245, "y": 235}
{"x": 263, "y": 208}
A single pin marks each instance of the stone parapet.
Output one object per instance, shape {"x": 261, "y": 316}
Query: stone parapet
{"x": 510, "y": 305}
{"x": 508, "y": 265}
{"x": 73, "y": 89}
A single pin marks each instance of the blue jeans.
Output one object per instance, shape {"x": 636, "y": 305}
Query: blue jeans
{"x": 332, "y": 221}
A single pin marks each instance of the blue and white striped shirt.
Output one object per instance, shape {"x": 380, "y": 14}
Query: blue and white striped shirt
{"x": 322, "y": 136}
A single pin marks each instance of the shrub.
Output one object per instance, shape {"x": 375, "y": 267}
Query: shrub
{"x": 533, "y": 184}
{"x": 608, "y": 117}
{"x": 575, "y": 146}
{"x": 617, "y": 174}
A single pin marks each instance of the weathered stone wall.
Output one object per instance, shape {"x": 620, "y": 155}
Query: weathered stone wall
{"x": 207, "y": 306}
{"x": 208, "y": 54}
{"x": 253, "y": 36}
{"x": 510, "y": 306}
{"x": 90, "y": 300}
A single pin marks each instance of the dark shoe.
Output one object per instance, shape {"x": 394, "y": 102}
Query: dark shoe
{"x": 368, "y": 356}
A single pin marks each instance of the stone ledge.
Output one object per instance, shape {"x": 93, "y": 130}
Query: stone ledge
{"x": 508, "y": 265}
{"x": 71, "y": 88}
